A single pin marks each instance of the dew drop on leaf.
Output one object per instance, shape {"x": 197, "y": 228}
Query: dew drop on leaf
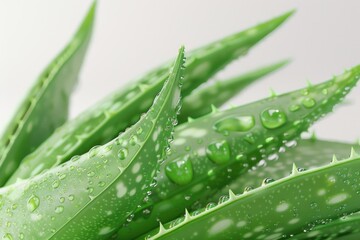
{"x": 273, "y": 118}
{"x": 210, "y": 206}
{"x": 268, "y": 180}
{"x": 122, "y": 154}
{"x": 59, "y": 209}
{"x": 180, "y": 171}
{"x": 218, "y": 152}
{"x": 294, "y": 108}
{"x": 7, "y": 236}
{"x": 33, "y": 203}
{"x": 308, "y": 102}
{"x": 238, "y": 124}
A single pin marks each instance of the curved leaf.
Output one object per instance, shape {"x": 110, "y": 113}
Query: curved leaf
{"x": 90, "y": 196}
{"x": 199, "y": 102}
{"x": 312, "y": 197}
{"x": 46, "y": 106}
{"x": 307, "y": 154}
{"x": 209, "y": 152}
{"x": 94, "y": 127}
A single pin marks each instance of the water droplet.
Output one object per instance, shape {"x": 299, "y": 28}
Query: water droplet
{"x": 238, "y": 124}
{"x": 122, "y": 154}
{"x": 133, "y": 140}
{"x": 33, "y": 203}
{"x": 269, "y": 140}
{"x": 75, "y": 158}
{"x": 62, "y": 176}
{"x": 62, "y": 199}
{"x": 59, "y": 209}
{"x": 101, "y": 184}
{"x": 223, "y": 199}
{"x": 89, "y": 189}
{"x": 308, "y": 102}
{"x": 210, "y": 206}
{"x": 250, "y": 138}
{"x": 56, "y": 184}
{"x": 273, "y": 118}
{"x": 94, "y": 151}
{"x": 7, "y": 236}
{"x": 91, "y": 174}
{"x": 218, "y": 152}
{"x": 268, "y": 180}
{"x": 240, "y": 157}
{"x": 294, "y": 108}
{"x": 180, "y": 171}
{"x": 71, "y": 197}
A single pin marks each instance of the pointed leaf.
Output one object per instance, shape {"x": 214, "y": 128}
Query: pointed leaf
{"x": 312, "y": 197}
{"x": 307, "y": 154}
{"x": 198, "y": 103}
{"x": 210, "y": 151}
{"x": 46, "y": 106}
{"x": 92, "y": 195}
{"x": 120, "y": 110}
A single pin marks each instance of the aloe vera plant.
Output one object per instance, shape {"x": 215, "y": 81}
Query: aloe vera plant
{"x": 94, "y": 127}
{"x": 46, "y": 106}
{"x": 211, "y": 177}
{"x": 232, "y": 142}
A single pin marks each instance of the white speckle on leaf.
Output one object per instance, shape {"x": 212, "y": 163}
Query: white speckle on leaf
{"x": 193, "y": 132}
{"x": 120, "y": 190}
{"x": 220, "y": 226}
{"x": 241, "y": 224}
{"x": 132, "y": 192}
{"x": 294, "y": 220}
{"x": 337, "y": 198}
{"x": 138, "y": 178}
{"x": 136, "y": 168}
{"x": 105, "y": 230}
{"x": 179, "y": 141}
{"x": 321, "y": 192}
{"x": 282, "y": 207}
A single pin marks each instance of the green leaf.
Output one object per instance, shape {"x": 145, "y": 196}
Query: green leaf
{"x": 218, "y": 148}
{"x": 266, "y": 212}
{"x": 115, "y": 113}
{"x": 346, "y": 228}
{"x": 307, "y": 154}
{"x": 90, "y": 196}
{"x": 46, "y": 106}
{"x": 199, "y": 102}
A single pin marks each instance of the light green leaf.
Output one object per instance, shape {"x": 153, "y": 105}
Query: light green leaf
{"x": 90, "y": 196}
{"x": 46, "y": 106}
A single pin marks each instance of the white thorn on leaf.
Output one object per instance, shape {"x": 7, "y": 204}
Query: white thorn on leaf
{"x": 294, "y": 170}
{"x": 353, "y": 153}
{"x": 161, "y": 228}
{"x": 334, "y": 159}
{"x": 214, "y": 109}
{"x": 187, "y": 215}
{"x": 232, "y": 195}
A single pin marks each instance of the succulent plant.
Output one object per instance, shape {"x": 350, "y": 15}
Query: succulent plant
{"x": 240, "y": 173}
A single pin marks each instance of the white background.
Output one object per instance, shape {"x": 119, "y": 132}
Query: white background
{"x": 131, "y": 37}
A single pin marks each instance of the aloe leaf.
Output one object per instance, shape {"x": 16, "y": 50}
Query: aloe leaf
{"x": 311, "y": 197}
{"x": 347, "y": 227}
{"x": 124, "y": 107}
{"x": 199, "y": 102}
{"x": 91, "y": 195}
{"x": 307, "y": 154}
{"x": 46, "y": 106}
{"x": 209, "y": 152}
